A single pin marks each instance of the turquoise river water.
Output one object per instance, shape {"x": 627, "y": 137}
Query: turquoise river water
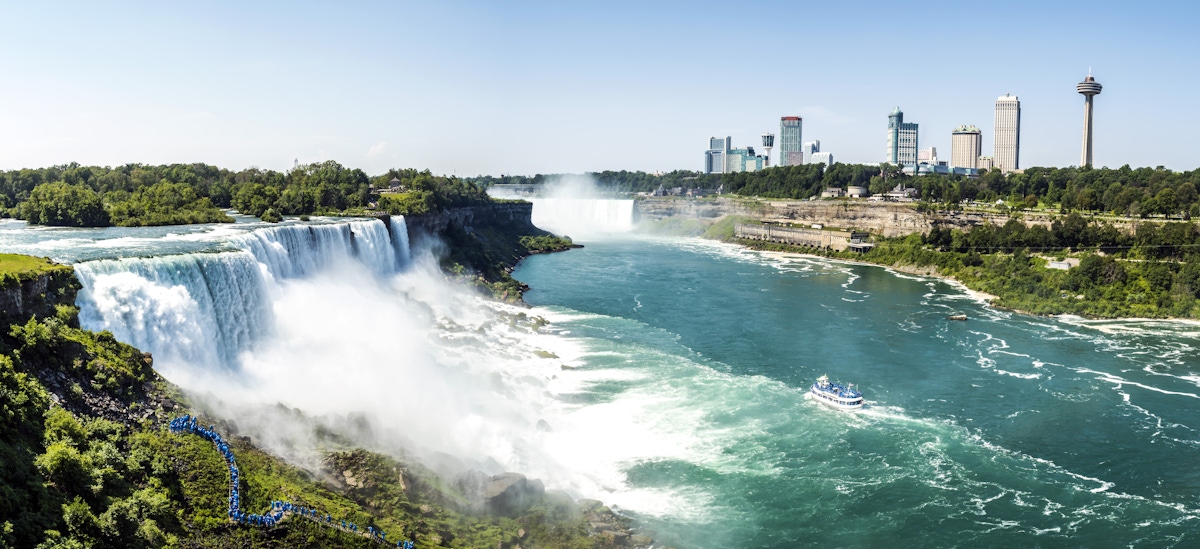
{"x": 1005, "y": 430}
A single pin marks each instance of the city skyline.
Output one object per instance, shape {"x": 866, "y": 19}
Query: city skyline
{"x": 571, "y": 87}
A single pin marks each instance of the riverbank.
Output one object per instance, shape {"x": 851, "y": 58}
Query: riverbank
{"x": 914, "y": 270}
{"x": 932, "y": 272}
{"x": 977, "y": 285}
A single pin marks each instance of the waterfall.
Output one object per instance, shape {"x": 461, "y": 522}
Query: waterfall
{"x": 204, "y": 309}
{"x": 294, "y": 251}
{"x": 583, "y": 218}
{"x": 196, "y": 308}
{"x": 398, "y": 230}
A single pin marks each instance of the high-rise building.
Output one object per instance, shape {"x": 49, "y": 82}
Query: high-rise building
{"x": 902, "y": 140}
{"x": 790, "y": 128}
{"x": 928, "y": 156}
{"x": 825, "y": 158}
{"x": 743, "y": 160}
{"x": 813, "y": 155}
{"x": 985, "y": 163}
{"x": 1089, "y": 88}
{"x": 1007, "y": 145}
{"x": 966, "y": 146}
{"x": 717, "y": 154}
{"x": 811, "y": 148}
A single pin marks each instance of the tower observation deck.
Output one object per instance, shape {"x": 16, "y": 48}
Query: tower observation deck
{"x": 1089, "y": 88}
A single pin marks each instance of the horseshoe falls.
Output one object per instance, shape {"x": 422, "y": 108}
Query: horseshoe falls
{"x": 671, "y": 382}
{"x": 583, "y": 218}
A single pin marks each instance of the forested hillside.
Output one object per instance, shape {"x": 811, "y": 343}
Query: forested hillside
{"x": 136, "y": 194}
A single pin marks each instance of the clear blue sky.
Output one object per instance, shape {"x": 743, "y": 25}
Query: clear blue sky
{"x": 546, "y": 87}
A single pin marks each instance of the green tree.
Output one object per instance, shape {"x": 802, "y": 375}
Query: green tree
{"x": 64, "y": 205}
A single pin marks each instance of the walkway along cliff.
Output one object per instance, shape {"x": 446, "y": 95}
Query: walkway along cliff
{"x": 879, "y": 218}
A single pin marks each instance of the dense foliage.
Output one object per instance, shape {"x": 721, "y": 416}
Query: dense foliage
{"x": 64, "y": 205}
{"x": 546, "y": 243}
{"x": 615, "y": 181}
{"x": 136, "y": 194}
{"x": 162, "y": 203}
{"x": 423, "y": 192}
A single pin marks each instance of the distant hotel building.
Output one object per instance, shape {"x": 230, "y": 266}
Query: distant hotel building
{"x": 716, "y": 156}
{"x": 825, "y": 158}
{"x": 1008, "y": 134}
{"x": 743, "y": 160}
{"x": 966, "y": 146}
{"x": 902, "y": 140}
{"x": 929, "y": 156}
{"x": 811, "y": 148}
{"x": 812, "y": 152}
{"x": 790, "y": 141}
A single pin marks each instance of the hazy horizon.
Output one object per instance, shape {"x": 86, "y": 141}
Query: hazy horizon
{"x": 471, "y": 88}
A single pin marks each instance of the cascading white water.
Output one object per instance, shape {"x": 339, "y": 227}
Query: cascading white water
{"x": 199, "y": 309}
{"x": 300, "y": 250}
{"x": 343, "y": 321}
{"x": 334, "y": 319}
{"x": 204, "y": 309}
{"x": 583, "y": 218}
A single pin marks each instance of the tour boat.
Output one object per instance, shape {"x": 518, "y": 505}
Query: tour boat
{"x": 842, "y": 397}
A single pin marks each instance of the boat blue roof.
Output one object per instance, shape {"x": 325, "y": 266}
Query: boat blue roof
{"x": 837, "y": 389}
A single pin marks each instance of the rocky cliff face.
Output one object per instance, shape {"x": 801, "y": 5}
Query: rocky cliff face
{"x": 655, "y": 209}
{"x": 27, "y": 294}
{"x": 881, "y": 218}
{"x": 514, "y": 213}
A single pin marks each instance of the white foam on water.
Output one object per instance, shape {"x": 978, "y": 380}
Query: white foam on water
{"x": 1118, "y": 382}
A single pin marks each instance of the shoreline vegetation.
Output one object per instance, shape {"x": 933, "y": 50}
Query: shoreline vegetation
{"x": 1089, "y": 283}
{"x": 1102, "y": 272}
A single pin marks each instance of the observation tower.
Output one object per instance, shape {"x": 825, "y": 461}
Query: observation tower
{"x": 1089, "y": 88}
{"x": 768, "y": 142}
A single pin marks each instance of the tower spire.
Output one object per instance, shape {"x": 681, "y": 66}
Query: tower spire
{"x": 1089, "y": 88}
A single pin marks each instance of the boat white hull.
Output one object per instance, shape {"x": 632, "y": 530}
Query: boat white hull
{"x": 835, "y": 404}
